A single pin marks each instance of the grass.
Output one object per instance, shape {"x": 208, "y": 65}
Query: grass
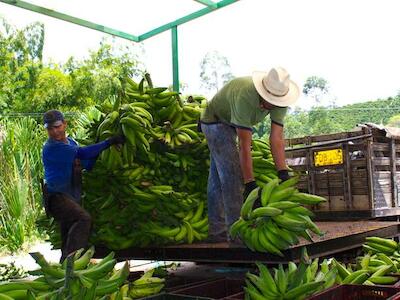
{"x": 20, "y": 194}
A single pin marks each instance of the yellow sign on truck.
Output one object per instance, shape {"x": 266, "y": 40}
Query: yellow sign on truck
{"x": 328, "y": 157}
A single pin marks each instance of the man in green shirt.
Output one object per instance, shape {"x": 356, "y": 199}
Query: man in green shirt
{"x": 231, "y": 114}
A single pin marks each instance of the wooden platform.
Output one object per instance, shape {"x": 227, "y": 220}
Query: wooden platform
{"x": 338, "y": 237}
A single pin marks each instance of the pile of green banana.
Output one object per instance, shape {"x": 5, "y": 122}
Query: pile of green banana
{"x": 152, "y": 190}
{"x": 87, "y": 281}
{"x": 377, "y": 266}
{"x": 370, "y": 270}
{"x": 11, "y": 271}
{"x": 296, "y": 282}
{"x": 279, "y": 221}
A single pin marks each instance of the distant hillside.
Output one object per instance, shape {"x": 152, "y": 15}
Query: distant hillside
{"x": 323, "y": 120}
{"x": 378, "y": 111}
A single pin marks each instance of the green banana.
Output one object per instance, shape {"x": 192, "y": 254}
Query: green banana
{"x": 384, "y": 242}
{"x": 284, "y": 205}
{"x": 302, "y": 290}
{"x": 383, "y": 279}
{"x": 248, "y": 204}
{"x": 267, "y": 191}
{"x": 268, "y": 211}
{"x": 304, "y": 198}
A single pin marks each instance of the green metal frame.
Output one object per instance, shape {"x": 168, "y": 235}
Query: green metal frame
{"x": 173, "y": 26}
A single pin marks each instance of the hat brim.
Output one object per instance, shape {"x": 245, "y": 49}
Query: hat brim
{"x": 52, "y": 124}
{"x": 289, "y": 99}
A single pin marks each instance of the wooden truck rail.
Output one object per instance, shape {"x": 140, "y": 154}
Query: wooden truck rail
{"x": 357, "y": 171}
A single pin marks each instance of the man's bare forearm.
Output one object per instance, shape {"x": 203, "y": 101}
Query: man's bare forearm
{"x": 246, "y": 164}
{"x": 246, "y": 160}
{"x": 278, "y": 152}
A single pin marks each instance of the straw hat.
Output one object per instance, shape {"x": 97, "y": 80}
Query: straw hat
{"x": 276, "y": 87}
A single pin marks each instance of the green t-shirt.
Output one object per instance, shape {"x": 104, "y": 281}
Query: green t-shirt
{"x": 238, "y": 104}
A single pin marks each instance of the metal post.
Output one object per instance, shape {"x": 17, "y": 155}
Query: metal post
{"x": 175, "y": 60}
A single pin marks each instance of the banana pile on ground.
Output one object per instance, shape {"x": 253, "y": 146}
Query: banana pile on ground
{"x": 375, "y": 267}
{"x": 296, "y": 282}
{"x": 279, "y": 221}
{"x": 11, "y": 271}
{"x": 87, "y": 281}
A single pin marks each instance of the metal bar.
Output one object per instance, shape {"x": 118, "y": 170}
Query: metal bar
{"x": 184, "y": 19}
{"x": 71, "y": 19}
{"x": 330, "y": 142}
{"x": 175, "y": 58}
{"x": 207, "y": 3}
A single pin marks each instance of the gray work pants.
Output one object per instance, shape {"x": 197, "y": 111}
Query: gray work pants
{"x": 225, "y": 183}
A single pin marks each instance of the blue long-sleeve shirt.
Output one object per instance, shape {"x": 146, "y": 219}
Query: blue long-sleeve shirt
{"x": 58, "y": 158}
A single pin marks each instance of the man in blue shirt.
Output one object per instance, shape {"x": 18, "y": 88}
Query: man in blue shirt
{"x": 63, "y": 161}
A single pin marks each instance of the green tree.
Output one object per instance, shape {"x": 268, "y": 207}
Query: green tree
{"x": 29, "y": 85}
{"x": 97, "y": 77}
{"x": 296, "y": 124}
{"x": 394, "y": 121}
{"x": 53, "y": 90}
{"x": 262, "y": 130}
{"x": 315, "y": 87}
{"x": 20, "y": 62}
{"x": 320, "y": 121}
{"x": 215, "y": 71}
{"x": 34, "y": 35}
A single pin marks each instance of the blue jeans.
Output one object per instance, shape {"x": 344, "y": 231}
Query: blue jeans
{"x": 225, "y": 183}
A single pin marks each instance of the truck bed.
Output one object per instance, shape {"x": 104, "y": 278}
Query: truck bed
{"x": 338, "y": 237}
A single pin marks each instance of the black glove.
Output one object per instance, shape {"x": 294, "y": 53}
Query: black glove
{"x": 283, "y": 175}
{"x": 248, "y": 187}
{"x": 117, "y": 139}
{"x": 199, "y": 126}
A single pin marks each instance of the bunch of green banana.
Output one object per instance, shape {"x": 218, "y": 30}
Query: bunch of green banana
{"x": 87, "y": 281}
{"x": 176, "y": 136}
{"x": 11, "y": 271}
{"x": 381, "y": 259}
{"x": 263, "y": 163}
{"x": 194, "y": 227}
{"x": 279, "y": 221}
{"x": 146, "y": 285}
{"x": 296, "y": 282}
{"x": 370, "y": 270}
{"x": 381, "y": 245}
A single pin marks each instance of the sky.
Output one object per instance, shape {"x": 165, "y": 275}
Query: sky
{"x": 354, "y": 45}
